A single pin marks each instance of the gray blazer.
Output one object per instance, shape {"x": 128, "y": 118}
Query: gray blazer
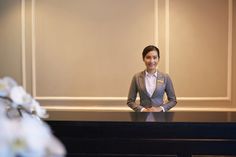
{"x": 164, "y": 84}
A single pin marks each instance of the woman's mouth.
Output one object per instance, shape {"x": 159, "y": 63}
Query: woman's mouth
{"x": 151, "y": 65}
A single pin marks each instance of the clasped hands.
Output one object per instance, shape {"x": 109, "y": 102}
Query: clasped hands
{"x": 152, "y": 109}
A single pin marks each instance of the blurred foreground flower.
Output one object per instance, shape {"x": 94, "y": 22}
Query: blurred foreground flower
{"x": 22, "y": 132}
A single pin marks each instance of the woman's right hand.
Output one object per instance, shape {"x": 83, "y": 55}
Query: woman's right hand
{"x": 152, "y": 109}
{"x": 145, "y": 110}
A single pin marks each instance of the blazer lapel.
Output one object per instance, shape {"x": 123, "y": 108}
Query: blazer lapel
{"x": 156, "y": 89}
{"x": 142, "y": 83}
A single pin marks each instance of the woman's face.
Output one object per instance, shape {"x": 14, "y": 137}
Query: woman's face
{"x": 151, "y": 60}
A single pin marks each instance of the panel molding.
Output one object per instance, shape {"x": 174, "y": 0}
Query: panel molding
{"x": 23, "y": 41}
{"x": 33, "y": 37}
{"x": 167, "y": 58}
{"x": 156, "y": 26}
{"x": 126, "y": 109}
{"x": 167, "y": 36}
{"x": 229, "y": 54}
{"x": 125, "y": 98}
{"x": 230, "y": 49}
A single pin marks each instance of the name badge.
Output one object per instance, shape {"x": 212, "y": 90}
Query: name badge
{"x": 160, "y": 81}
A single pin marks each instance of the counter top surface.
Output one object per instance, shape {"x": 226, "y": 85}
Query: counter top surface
{"x": 226, "y": 117}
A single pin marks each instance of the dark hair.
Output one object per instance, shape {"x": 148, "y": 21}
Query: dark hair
{"x": 150, "y": 48}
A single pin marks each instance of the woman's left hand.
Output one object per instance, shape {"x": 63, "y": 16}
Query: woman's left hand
{"x": 154, "y": 109}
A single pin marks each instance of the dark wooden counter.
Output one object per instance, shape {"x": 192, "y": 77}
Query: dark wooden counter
{"x": 131, "y": 134}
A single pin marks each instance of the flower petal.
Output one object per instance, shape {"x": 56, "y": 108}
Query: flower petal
{"x": 19, "y": 96}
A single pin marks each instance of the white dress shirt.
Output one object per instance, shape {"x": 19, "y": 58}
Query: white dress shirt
{"x": 150, "y": 82}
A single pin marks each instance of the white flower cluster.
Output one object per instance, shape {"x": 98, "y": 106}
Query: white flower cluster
{"x": 15, "y": 96}
{"x": 22, "y": 132}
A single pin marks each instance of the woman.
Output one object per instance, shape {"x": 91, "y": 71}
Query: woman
{"x": 151, "y": 84}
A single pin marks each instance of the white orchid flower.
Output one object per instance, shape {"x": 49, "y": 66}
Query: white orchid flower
{"x": 23, "y": 133}
{"x": 2, "y": 113}
{"x": 55, "y": 147}
{"x": 35, "y": 109}
{"x": 4, "y": 90}
{"x": 28, "y": 137}
{"x": 8, "y": 132}
{"x": 15, "y": 138}
{"x": 35, "y": 134}
{"x": 5, "y": 86}
{"x": 39, "y": 138}
{"x": 5, "y": 151}
{"x": 41, "y": 112}
{"x": 19, "y": 96}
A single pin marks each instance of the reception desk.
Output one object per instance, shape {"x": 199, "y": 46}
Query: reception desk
{"x": 130, "y": 134}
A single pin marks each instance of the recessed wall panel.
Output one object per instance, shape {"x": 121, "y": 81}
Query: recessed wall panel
{"x": 10, "y": 39}
{"x": 199, "y": 47}
{"x": 90, "y": 48}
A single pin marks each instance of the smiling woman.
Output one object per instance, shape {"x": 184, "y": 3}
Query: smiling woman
{"x": 151, "y": 84}
{"x": 82, "y": 55}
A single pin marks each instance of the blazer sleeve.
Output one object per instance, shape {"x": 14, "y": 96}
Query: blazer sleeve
{"x": 170, "y": 92}
{"x": 133, "y": 95}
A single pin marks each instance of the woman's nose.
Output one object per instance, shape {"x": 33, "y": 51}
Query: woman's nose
{"x": 152, "y": 60}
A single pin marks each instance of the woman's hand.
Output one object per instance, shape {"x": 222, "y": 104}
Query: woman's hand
{"x": 145, "y": 110}
{"x": 152, "y": 109}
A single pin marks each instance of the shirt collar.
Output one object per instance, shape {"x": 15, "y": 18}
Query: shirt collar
{"x": 148, "y": 74}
